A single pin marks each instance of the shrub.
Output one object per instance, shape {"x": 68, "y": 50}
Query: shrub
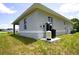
{"x": 73, "y": 31}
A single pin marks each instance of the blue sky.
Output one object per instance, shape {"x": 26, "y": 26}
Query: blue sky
{"x": 10, "y": 11}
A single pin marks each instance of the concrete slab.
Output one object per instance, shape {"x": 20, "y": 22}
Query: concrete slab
{"x": 52, "y": 39}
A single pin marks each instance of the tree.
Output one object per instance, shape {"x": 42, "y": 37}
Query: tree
{"x": 75, "y": 22}
{"x": 1, "y": 29}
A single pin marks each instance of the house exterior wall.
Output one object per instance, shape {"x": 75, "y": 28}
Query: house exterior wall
{"x": 31, "y": 26}
{"x": 39, "y": 18}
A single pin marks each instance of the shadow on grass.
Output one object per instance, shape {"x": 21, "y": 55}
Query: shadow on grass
{"x": 25, "y": 40}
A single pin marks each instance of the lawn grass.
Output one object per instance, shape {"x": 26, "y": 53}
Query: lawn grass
{"x": 15, "y": 44}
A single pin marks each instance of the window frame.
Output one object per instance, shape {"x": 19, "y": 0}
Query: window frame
{"x": 25, "y": 24}
{"x": 50, "y": 19}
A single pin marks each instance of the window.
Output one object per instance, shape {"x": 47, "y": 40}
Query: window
{"x": 25, "y": 27}
{"x": 50, "y": 19}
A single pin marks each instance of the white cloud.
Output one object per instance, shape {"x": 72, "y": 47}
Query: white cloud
{"x": 41, "y": 1}
{"x": 69, "y": 8}
{"x": 4, "y": 9}
{"x": 78, "y": 15}
{"x": 5, "y": 26}
{"x": 71, "y": 16}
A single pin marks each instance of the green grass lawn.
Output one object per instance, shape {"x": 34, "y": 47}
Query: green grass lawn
{"x": 15, "y": 44}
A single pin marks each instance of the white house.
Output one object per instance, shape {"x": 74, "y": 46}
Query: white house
{"x": 32, "y": 22}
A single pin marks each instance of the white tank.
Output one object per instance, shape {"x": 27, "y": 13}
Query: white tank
{"x": 48, "y": 34}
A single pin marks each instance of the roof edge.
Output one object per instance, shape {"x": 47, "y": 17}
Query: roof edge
{"x": 38, "y": 5}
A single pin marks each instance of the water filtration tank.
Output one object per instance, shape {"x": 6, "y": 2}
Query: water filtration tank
{"x": 48, "y": 35}
{"x": 53, "y": 33}
{"x": 48, "y": 26}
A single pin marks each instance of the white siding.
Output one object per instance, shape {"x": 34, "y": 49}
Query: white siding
{"x": 58, "y": 24}
{"x": 37, "y": 19}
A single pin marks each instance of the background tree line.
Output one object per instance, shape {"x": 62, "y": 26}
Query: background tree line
{"x": 75, "y": 22}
